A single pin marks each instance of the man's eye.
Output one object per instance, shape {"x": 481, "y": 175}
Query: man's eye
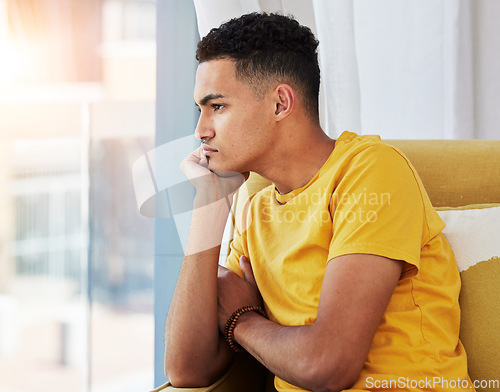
{"x": 217, "y": 106}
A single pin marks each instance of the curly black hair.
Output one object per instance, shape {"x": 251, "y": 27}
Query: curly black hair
{"x": 268, "y": 49}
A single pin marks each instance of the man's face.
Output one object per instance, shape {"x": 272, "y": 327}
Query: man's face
{"x": 234, "y": 123}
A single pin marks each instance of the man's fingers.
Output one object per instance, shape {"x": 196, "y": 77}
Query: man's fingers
{"x": 246, "y": 267}
{"x": 195, "y": 165}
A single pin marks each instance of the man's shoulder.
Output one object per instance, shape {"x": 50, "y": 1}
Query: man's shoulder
{"x": 368, "y": 150}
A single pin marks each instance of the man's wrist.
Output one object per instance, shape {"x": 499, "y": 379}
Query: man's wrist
{"x": 240, "y": 315}
{"x": 245, "y": 322}
{"x": 207, "y": 226}
{"x": 203, "y": 199}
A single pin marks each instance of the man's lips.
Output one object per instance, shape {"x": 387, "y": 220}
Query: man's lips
{"x": 207, "y": 150}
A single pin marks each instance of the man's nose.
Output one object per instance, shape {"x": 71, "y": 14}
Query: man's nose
{"x": 204, "y": 129}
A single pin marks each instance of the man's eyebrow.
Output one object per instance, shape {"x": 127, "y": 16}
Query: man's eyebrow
{"x": 208, "y": 98}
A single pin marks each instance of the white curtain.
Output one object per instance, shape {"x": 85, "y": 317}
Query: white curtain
{"x": 340, "y": 99}
{"x": 416, "y": 69}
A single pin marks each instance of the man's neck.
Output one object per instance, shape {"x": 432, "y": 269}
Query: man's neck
{"x": 299, "y": 158}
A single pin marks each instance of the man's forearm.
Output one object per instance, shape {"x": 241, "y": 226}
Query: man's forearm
{"x": 296, "y": 354}
{"x": 194, "y": 353}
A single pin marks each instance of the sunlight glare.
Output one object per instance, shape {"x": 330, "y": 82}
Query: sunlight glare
{"x": 14, "y": 60}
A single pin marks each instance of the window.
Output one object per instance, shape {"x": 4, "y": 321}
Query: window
{"x": 77, "y": 108}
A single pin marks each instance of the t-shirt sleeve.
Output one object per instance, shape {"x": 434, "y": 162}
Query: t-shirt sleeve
{"x": 377, "y": 208}
{"x": 238, "y": 246}
{"x": 235, "y": 252}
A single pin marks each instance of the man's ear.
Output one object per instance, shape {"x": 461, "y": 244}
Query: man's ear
{"x": 285, "y": 101}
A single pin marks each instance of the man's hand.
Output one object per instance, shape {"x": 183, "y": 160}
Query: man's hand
{"x": 234, "y": 292}
{"x": 210, "y": 186}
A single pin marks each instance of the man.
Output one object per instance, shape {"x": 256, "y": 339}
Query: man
{"x": 344, "y": 251}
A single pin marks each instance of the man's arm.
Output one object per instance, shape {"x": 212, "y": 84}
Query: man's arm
{"x": 195, "y": 354}
{"x": 329, "y": 355}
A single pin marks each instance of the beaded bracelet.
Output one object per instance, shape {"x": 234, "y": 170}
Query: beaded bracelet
{"x": 233, "y": 320}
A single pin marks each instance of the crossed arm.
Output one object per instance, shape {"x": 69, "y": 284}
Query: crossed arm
{"x": 325, "y": 356}
{"x": 328, "y": 355}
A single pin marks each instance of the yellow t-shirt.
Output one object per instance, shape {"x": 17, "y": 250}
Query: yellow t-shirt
{"x": 367, "y": 198}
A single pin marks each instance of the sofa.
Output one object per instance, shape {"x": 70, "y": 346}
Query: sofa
{"x": 462, "y": 178}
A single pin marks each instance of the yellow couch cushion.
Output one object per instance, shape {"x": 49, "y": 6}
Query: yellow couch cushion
{"x": 456, "y": 172}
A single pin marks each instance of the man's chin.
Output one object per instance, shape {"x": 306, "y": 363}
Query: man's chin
{"x": 221, "y": 170}
{"x": 224, "y": 170}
